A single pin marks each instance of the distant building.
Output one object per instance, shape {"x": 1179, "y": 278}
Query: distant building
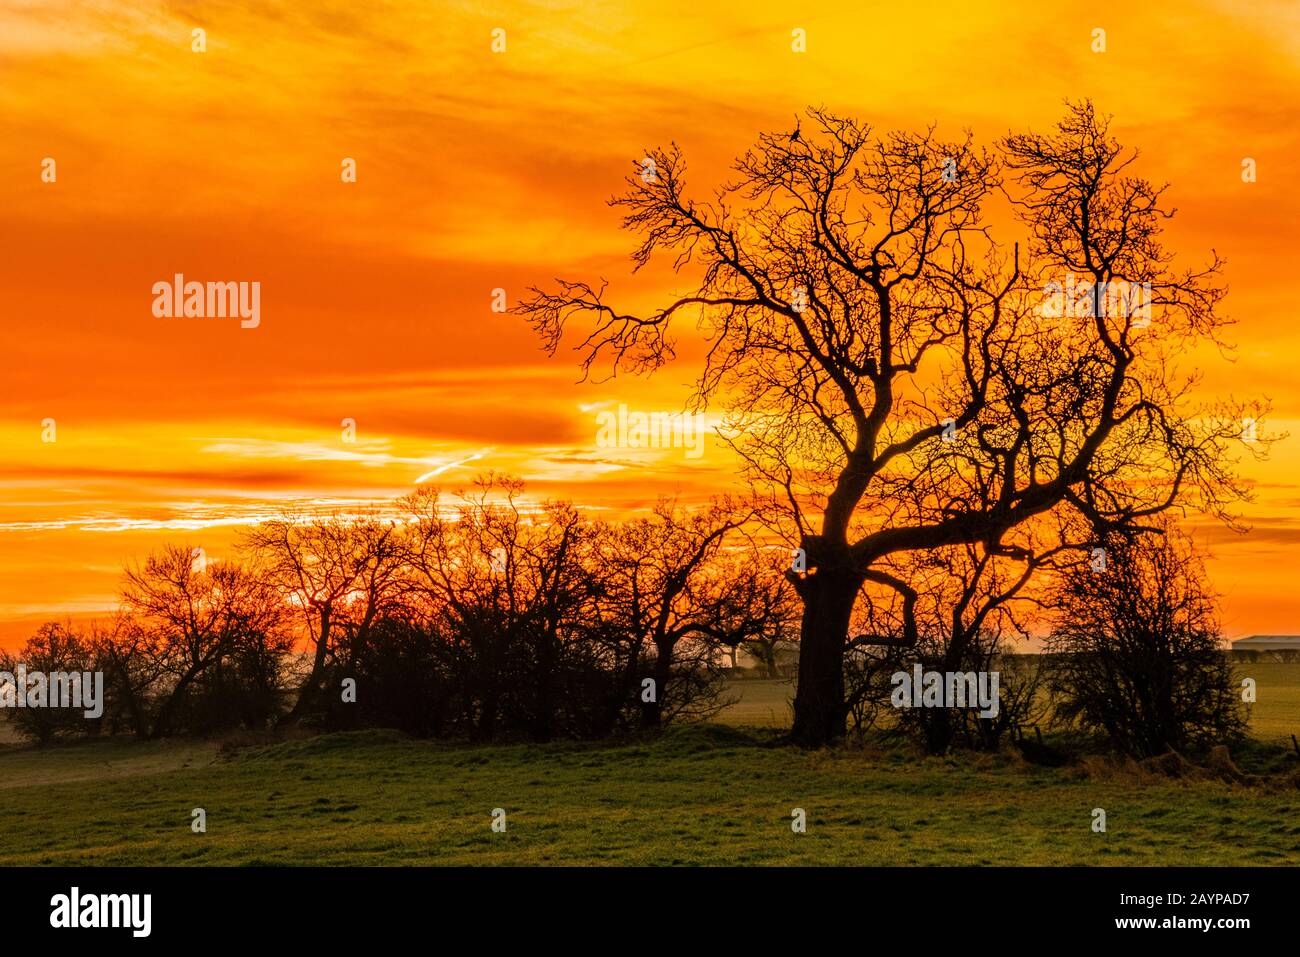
{"x": 1283, "y": 647}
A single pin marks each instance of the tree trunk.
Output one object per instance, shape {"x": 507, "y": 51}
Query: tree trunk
{"x": 311, "y": 687}
{"x": 132, "y": 699}
{"x": 652, "y": 711}
{"x": 627, "y": 689}
{"x": 163, "y": 722}
{"x": 819, "y": 710}
{"x": 938, "y": 731}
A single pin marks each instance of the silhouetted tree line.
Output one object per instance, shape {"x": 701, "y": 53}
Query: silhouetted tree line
{"x": 482, "y": 618}
{"x": 478, "y": 618}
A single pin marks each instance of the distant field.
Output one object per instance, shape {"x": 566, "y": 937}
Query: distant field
{"x": 1276, "y": 715}
{"x": 705, "y": 794}
{"x": 1273, "y": 718}
{"x": 761, "y": 703}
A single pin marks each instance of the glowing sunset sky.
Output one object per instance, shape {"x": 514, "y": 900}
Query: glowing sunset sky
{"x": 479, "y": 170}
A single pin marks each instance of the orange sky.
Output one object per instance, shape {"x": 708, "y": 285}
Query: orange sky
{"x": 479, "y": 170}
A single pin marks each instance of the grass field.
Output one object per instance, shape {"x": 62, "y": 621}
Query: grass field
{"x": 707, "y": 794}
{"x": 704, "y": 794}
{"x": 1276, "y": 715}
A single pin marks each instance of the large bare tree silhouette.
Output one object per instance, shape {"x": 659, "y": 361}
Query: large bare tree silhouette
{"x": 896, "y": 378}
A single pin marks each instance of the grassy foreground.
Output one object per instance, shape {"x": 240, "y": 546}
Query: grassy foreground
{"x": 707, "y": 794}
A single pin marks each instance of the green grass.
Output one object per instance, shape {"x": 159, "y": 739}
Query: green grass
{"x": 1275, "y": 716}
{"x": 708, "y": 794}
{"x": 759, "y": 703}
{"x": 705, "y": 794}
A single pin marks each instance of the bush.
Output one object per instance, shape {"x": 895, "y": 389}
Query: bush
{"x": 54, "y": 647}
{"x": 1136, "y": 649}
